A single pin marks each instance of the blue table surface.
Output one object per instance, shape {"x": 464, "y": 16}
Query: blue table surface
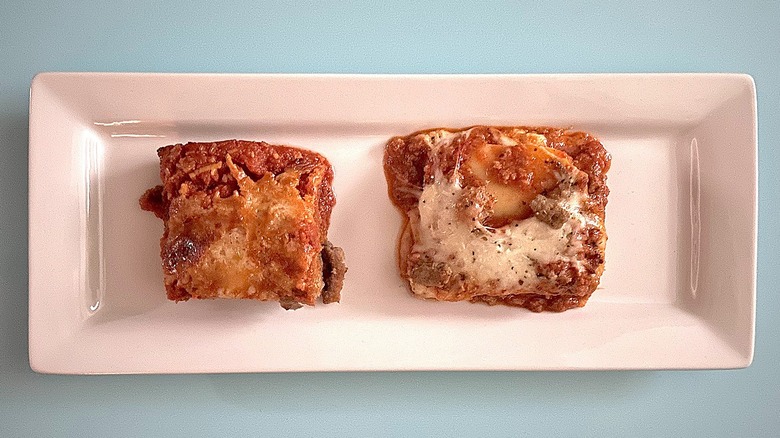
{"x": 387, "y": 37}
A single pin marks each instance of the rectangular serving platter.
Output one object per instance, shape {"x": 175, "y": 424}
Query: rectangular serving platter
{"x": 678, "y": 291}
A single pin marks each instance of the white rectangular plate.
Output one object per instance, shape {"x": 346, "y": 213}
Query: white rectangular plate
{"x": 679, "y": 286}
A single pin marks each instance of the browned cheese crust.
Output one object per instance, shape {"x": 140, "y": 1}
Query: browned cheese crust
{"x": 539, "y": 173}
{"x": 246, "y": 220}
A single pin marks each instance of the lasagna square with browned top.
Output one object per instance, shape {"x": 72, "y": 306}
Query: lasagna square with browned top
{"x": 501, "y": 215}
{"x": 246, "y": 220}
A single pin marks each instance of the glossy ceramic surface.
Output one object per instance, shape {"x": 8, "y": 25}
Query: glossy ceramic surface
{"x": 679, "y": 286}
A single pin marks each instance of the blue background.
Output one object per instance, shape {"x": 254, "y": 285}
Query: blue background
{"x": 387, "y": 37}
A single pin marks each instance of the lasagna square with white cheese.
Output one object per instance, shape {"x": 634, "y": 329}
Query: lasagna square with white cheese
{"x": 501, "y": 215}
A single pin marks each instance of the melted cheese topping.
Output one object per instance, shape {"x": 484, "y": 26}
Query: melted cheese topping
{"x": 506, "y": 256}
{"x": 253, "y": 244}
